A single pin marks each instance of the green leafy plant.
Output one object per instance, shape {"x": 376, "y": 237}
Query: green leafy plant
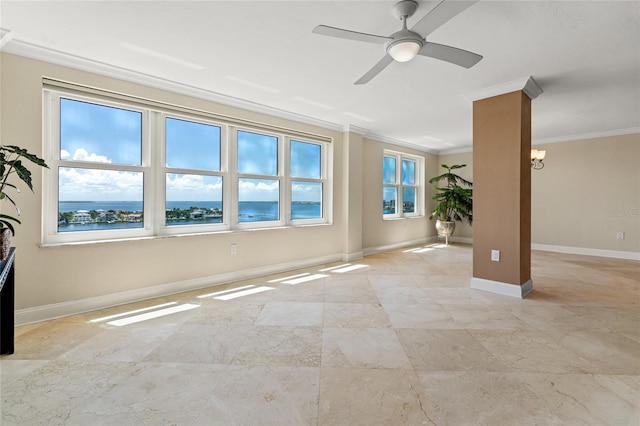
{"x": 455, "y": 196}
{"x": 11, "y": 162}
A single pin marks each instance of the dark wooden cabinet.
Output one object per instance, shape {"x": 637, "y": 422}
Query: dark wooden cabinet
{"x": 7, "y": 307}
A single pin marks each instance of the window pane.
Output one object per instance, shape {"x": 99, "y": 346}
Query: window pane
{"x": 93, "y": 199}
{"x": 100, "y": 134}
{"x": 193, "y": 199}
{"x": 408, "y": 172}
{"x": 389, "y": 197}
{"x": 258, "y": 200}
{"x": 305, "y": 160}
{"x": 306, "y": 200}
{"x": 408, "y": 200}
{"x": 192, "y": 145}
{"x": 389, "y": 170}
{"x": 257, "y": 154}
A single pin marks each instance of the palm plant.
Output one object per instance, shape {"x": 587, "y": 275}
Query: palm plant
{"x": 454, "y": 199}
{"x": 11, "y": 161}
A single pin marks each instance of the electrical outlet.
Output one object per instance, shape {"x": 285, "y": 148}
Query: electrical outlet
{"x": 234, "y": 249}
{"x": 620, "y": 235}
{"x": 495, "y": 255}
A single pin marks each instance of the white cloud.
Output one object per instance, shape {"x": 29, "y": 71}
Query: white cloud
{"x": 186, "y": 187}
{"x": 258, "y": 189}
{"x": 82, "y": 155}
{"x": 91, "y": 185}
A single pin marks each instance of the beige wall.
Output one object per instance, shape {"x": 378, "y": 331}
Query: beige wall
{"x": 379, "y": 233}
{"x": 65, "y": 273}
{"x": 587, "y": 191}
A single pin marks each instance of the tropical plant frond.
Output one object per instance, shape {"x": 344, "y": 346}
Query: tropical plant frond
{"x": 12, "y": 161}
{"x": 6, "y": 196}
{"x": 455, "y": 199}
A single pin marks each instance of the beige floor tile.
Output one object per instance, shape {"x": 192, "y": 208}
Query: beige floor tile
{"x": 358, "y": 291}
{"x": 291, "y": 313}
{"x": 419, "y": 316}
{"x": 263, "y": 395}
{"x": 396, "y": 338}
{"x": 447, "y": 350}
{"x": 372, "y": 397}
{"x": 355, "y": 315}
{"x": 56, "y": 392}
{"x": 588, "y": 399}
{"x": 485, "y": 317}
{"x": 484, "y": 398}
{"x": 281, "y": 346}
{"x": 531, "y": 351}
{"x": 362, "y": 348}
{"x": 201, "y": 343}
{"x": 608, "y": 353}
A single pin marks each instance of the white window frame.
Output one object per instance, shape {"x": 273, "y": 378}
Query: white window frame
{"x": 419, "y": 186}
{"x": 161, "y": 192}
{"x": 323, "y": 180}
{"x": 236, "y": 176}
{"x": 154, "y": 169}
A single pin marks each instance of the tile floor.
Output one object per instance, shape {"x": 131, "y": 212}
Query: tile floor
{"x": 397, "y": 338}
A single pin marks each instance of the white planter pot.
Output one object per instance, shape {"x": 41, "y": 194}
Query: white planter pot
{"x": 445, "y": 229}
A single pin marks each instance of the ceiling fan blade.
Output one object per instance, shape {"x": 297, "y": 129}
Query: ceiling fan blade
{"x": 450, "y": 54}
{"x": 350, "y": 35}
{"x": 382, "y": 64}
{"x": 440, "y": 14}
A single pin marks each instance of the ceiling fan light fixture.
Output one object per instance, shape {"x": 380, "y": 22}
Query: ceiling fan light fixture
{"x": 404, "y": 50}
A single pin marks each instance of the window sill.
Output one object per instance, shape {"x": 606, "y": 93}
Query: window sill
{"x": 190, "y": 234}
{"x": 403, "y": 218}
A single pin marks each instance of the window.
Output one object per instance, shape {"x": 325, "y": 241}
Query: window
{"x": 193, "y": 176}
{"x": 99, "y": 167}
{"x": 307, "y": 183}
{"x": 258, "y": 178}
{"x": 401, "y": 189}
{"x": 129, "y": 168}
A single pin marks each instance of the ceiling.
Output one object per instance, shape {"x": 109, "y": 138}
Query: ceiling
{"x": 585, "y": 56}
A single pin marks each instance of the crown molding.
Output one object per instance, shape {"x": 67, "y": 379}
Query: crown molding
{"x": 350, "y": 128}
{"x": 5, "y": 37}
{"x": 36, "y": 52}
{"x": 462, "y": 150}
{"x": 566, "y": 138}
{"x": 527, "y": 84}
{"x": 392, "y": 141}
{"x": 40, "y": 53}
{"x": 583, "y": 136}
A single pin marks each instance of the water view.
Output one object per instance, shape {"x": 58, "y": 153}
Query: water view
{"x": 99, "y": 215}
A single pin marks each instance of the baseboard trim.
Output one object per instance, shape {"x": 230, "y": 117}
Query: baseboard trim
{"x": 628, "y": 255}
{"x": 462, "y": 240}
{"x": 74, "y": 307}
{"x": 505, "y": 289}
{"x": 404, "y": 244}
{"x": 349, "y": 257}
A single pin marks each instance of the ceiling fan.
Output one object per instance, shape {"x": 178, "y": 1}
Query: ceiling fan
{"x": 404, "y": 45}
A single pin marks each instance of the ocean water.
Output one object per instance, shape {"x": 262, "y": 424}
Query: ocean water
{"x": 249, "y": 211}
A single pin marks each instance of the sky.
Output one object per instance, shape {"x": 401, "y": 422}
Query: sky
{"x": 109, "y": 135}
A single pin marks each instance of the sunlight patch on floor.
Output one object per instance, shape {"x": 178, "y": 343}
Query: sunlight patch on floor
{"x": 242, "y": 293}
{"x": 349, "y": 268}
{"x": 305, "y": 279}
{"x": 154, "y": 314}
{"x": 334, "y": 267}
{"x": 136, "y": 311}
{"x": 277, "y": 280}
